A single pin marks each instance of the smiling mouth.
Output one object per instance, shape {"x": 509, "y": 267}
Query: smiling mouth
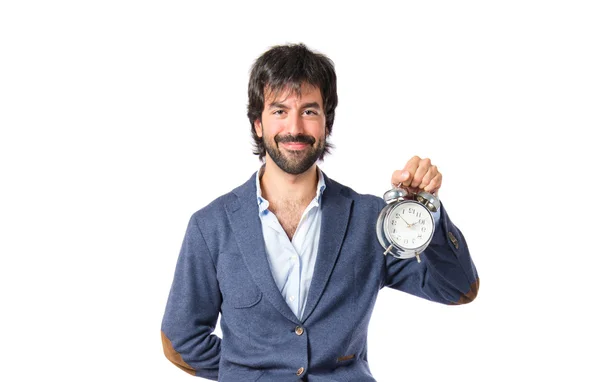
{"x": 294, "y": 145}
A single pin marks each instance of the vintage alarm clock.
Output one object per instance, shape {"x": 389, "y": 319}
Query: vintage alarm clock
{"x": 405, "y": 225}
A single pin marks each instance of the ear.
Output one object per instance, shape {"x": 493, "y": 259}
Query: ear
{"x": 258, "y": 128}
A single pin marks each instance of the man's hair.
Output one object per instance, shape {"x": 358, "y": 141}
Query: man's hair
{"x": 286, "y": 68}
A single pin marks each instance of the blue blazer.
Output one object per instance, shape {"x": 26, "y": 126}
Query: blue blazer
{"x": 223, "y": 269}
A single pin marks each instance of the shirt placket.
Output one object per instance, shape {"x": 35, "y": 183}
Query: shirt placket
{"x": 298, "y": 242}
{"x": 291, "y": 261}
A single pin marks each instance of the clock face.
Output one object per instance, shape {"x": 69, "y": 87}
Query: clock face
{"x": 409, "y": 225}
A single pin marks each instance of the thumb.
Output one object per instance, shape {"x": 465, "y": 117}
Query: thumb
{"x": 404, "y": 176}
{"x": 399, "y": 177}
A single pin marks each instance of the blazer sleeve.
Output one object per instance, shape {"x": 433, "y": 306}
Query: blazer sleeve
{"x": 446, "y": 273}
{"x": 193, "y": 309}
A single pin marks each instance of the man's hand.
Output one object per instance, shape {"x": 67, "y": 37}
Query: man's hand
{"x": 418, "y": 175}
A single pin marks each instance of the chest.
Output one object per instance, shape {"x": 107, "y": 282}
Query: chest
{"x": 289, "y": 218}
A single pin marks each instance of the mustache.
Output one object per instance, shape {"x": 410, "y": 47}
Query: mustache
{"x": 300, "y": 138}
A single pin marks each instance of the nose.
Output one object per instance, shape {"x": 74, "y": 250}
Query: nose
{"x": 295, "y": 124}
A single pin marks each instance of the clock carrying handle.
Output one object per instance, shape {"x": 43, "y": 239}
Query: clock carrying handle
{"x": 401, "y": 192}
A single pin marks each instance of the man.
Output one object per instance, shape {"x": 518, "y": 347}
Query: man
{"x": 290, "y": 259}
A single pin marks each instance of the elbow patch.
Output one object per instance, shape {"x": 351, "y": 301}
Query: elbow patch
{"x": 173, "y": 356}
{"x": 470, "y": 295}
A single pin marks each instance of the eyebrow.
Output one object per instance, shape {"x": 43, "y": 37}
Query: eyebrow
{"x": 279, "y": 105}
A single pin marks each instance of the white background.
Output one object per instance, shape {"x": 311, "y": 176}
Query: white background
{"x": 119, "y": 119}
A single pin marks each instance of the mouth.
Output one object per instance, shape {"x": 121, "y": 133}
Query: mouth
{"x": 294, "y": 146}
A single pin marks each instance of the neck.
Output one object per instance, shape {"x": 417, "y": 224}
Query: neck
{"x": 279, "y": 186}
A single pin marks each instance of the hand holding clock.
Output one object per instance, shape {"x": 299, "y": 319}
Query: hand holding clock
{"x": 418, "y": 175}
{"x": 413, "y": 195}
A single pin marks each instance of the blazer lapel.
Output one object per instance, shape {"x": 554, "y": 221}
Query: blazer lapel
{"x": 245, "y": 222}
{"x": 334, "y": 222}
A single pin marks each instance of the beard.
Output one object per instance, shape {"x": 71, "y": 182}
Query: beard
{"x": 292, "y": 161}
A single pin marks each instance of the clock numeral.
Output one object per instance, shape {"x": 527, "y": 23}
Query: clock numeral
{"x": 423, "y": 229}
{"x": 421, "y": 221}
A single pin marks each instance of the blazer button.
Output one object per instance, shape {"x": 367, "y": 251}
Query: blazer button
{"x": 300, "y": 371}
{"x": 299, "y": 331}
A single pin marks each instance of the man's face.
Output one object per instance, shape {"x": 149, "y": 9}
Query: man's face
{"x": 293, "y": 129}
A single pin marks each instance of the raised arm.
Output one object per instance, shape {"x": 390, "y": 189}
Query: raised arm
{"x": 447, "y": 274}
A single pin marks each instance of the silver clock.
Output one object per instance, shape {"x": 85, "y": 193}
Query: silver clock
{"x": 405, "y": 225}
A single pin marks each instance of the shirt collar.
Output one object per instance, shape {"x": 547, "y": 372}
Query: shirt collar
{"x": 263, "y": 204}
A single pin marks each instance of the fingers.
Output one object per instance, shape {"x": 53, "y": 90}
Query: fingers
{"x": 422, "y": 169}
{"x": 418, "y": 174}
{"x": 434, "y": 185}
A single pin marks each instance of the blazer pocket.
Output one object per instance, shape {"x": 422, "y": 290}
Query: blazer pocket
{"x": 240, "y": 373}
{"x": 246, "y": 299}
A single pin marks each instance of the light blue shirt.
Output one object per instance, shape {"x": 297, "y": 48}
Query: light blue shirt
{"x": 292, "y": 262}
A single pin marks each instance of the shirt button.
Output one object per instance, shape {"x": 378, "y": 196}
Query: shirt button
{"x": 299, "y": 330}
{"x": 292, "y": 298}
{"x": 300, "y": 371}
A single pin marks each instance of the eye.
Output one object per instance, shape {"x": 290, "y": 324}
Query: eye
{"x": 311, "y": 112}
{"x": 278, "y": 112}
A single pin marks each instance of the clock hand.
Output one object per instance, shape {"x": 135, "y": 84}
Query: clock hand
{"x": 408, "y": 225}
{"x": 411, "y": 224}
